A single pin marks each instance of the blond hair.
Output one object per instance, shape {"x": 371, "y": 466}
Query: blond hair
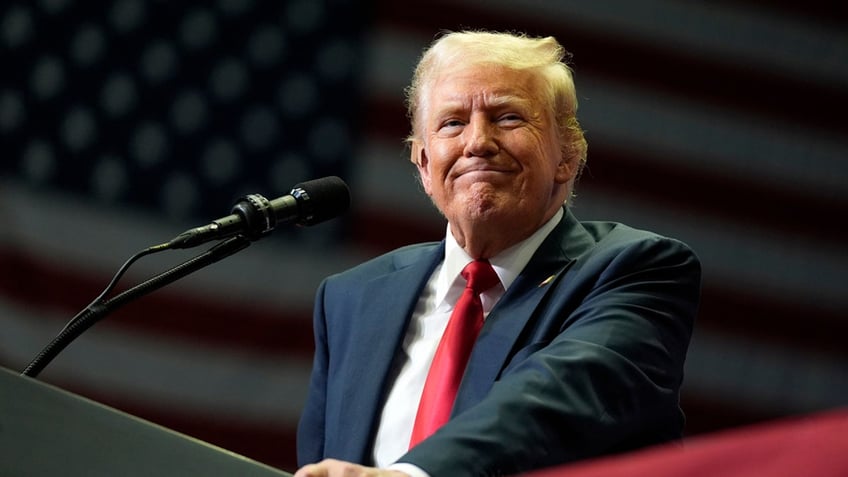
{"x": 515, "y": 51}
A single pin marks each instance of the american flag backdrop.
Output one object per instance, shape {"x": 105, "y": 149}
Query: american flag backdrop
{"x": 125, "y": 122}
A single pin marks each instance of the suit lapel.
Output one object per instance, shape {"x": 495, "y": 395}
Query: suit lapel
{"x": 386, "y": 318}
{"x": 505, "y": 323}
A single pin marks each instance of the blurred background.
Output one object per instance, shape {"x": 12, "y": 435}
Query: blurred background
{"x": 125, "y": 122}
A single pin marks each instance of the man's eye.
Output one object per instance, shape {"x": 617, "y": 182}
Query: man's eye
{"x": 510, "y": 118}
{"x": 452, "y": 124}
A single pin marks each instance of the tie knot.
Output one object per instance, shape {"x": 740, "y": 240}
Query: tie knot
{"x": 480, "y": 276}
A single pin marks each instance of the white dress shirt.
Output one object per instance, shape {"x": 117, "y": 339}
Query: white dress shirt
{"x": 426, "y": 326}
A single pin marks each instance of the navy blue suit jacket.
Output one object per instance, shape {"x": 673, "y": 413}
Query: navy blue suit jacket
{"x": 582, "y": 356}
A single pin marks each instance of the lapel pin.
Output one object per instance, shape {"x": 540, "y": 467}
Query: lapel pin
{"x": 547, "y": 280}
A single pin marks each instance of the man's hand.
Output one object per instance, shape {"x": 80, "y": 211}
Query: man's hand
{"x": 338, "y": 468}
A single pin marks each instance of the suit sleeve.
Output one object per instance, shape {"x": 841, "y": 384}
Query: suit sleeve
{"x": 605, "y": 378}
{"x": 310, "y": 432}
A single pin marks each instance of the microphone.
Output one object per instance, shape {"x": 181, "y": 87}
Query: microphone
{"x": 254, "y": 216}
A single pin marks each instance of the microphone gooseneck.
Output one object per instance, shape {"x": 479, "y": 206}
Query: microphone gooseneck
{"x": 252, "y": 217}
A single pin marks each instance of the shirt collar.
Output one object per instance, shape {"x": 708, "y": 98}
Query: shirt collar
{"x": 507, "y": 264}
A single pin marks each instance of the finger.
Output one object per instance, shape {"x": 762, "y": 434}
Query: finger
{"x": 311, "y": 470}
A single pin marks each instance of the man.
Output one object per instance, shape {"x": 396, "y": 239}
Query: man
{"x": 586, "y": 327}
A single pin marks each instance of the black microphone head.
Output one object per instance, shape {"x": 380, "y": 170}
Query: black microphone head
{"x": 321, "y": 199}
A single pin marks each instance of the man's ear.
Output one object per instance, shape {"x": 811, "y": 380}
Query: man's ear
{"x": 567, "y": 167}
{"x": 418, "y": 155}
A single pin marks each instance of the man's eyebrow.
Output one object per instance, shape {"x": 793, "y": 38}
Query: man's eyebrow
{"x": 509, "y": 100}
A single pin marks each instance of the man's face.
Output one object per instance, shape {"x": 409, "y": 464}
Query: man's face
{"x": 490, "y": 149}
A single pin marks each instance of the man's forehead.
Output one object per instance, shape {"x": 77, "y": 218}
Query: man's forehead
{"x": 495, "y": 98}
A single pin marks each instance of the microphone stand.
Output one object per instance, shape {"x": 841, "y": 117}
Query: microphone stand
{"x": 98, "y": 311}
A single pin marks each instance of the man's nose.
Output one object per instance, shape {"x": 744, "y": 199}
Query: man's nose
{"x": 480, "y": 138}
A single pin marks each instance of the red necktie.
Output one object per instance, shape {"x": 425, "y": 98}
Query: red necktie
{"x": 453, "y": 352}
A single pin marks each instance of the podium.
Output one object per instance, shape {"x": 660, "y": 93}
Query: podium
{"x": 48, "y": 431}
